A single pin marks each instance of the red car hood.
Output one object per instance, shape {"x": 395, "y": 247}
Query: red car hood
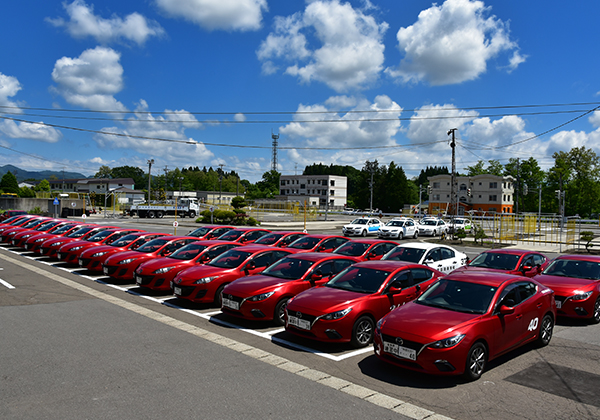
{"x": 194, "y": 273}
{"x": 114, "y": 259}
{"x": 564, "y": 286}
{"x": 483, "y": 269}
{"x": 161, "y": 262}
{"x": 252, "y": 285}
{"x": 325, "y": 299}
{"x": 427, "y": 322}
{"x": 100, "y": 248}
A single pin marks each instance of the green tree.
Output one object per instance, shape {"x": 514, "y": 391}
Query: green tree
{"x": 140, "y": 178}
{"x": 9, "y": 183}
{"x": 44, "y": 185}
{"x": 26, "y": 192}
{"x": 528, "y": 173}
{"x": 104, "y": 172}
{"x": 494, "y": 168}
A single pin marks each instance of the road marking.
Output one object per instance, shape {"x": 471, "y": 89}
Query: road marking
{"x": 7, "y": 284}
{"x": 366, "y": 394}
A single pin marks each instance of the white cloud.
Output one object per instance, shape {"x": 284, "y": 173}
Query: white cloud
{"x": 324, "y": 126}
{"x": 348, "y": 52}
{"x": 595, "y": 119}
{"x": 84, "y": 23}
{"x": 170, "y": 127}
{"x": 229, "y": 15}
{"x": 9, "y": 87}
{"x": 91, "y": 80}
{"x": 452, "y": 43}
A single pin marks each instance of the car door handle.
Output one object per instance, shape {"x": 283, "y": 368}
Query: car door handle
{"x": 539, "y": 305}
{"x": 519, "y": 316}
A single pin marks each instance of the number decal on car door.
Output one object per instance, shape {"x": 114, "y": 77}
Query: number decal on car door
{"x": 533, "y": 325}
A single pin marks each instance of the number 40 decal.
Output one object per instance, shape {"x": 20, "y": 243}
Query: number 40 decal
{"x": 533, "y": 324}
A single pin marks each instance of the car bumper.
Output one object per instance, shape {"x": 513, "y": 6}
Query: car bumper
{"x": 575, "y": 308}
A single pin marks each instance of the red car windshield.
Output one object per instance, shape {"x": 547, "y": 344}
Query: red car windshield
{"x": 458, "y": 296}
{"x": 78, "y": 233}
{"x": 153, "y": 245}
{"x": 232, "y": 235}
{"x": 305, "y": 243}
{"x": 288, "y": 268}
{"x": 401, "y": 253}
{"x": 230, "y": 259}
{"x": 188, "y": 252}
{"x": 496, "y": 261}
{"x": 359, "y": 279}
{"x": 352, "y": 249}
{"x": 574, "y": 268}
{"x": 269, "y": 239}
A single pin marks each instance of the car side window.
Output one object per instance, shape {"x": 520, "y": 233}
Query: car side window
{"x": 340, "y": 265}
{"x": 325, "y": 268}
{"x": 420, "y": 275}
{"x": 378, "y": 250}
{"x": 263, "y": 260}
{"x": 402, "y": 280}
{"x": 388, "y": 247}
{"x": 511, "y": 297}
{"x": 340, "y": 241}
{"x": 434, "y": 255}
{"x": 289, "y": 239}
{"x": 255, "y": 235}
{"x": 538, "y": 259}
{"x": 527, "y": 290}
{"x": 446, "y": 253}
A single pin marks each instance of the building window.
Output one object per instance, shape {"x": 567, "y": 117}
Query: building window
{"x": 435, "y": 197}
{"x": 332, "y": 192}
{"x": 282, "y": 192}
{"x": 302, "y": 186}
{"x": 463, "y": 187}
{"x": 283, "y": 182}
{"x": 493, "y": 198}
{"x": 332, "y": 183}
{"x": 493, "y": 185}
{"x": 436, "y": 185}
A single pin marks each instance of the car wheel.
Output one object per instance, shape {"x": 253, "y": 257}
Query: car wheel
{"x": 192, "y": 214}
{"x": 159, "y": 214}
{"x": 400, "y": 235}
{"x": 596, "y": 315}
{"x": 151, "y": 215}
{"x": 476, "y": 361}
{"x": 364, "y": 233}
{"x": 416, "y": 235}
{"x": 545, "y": 333}
{"x": 362, "y": 332}
{"x": 219, "y": 295}
{"x": 279, "y": 315}
{"x": 434, "y": 233}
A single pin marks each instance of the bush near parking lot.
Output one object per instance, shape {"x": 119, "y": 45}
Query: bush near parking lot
{"x": 227, "y": 217}
{"x": 587, "y": 236}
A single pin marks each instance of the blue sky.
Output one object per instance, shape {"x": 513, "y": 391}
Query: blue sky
{"x": 187, "y": 82}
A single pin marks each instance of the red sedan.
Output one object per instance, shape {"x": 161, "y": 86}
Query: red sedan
{"x": 317, "y": 243}
{"x": 465, "y": 320}
{"x": 18, "y": 221}
{"x": 245, "y": 235}
{"x": 13, "y": 220}
{"x": 511, "y": 261}
{"x": 366, "y": 249}
{"x": 34, "y": 242}
{"x": 19, "y": 239}
{"x": 209, "y": 232}
{"x": 8, "y": 233}
{"x": 71, "y": 251}
{"x": 575, "y": 280}
{"x": 122, "y": 265}
{"x": 158, "y": 274}
{"x": 265, "y": 295}
{"x": 49, "y": 248}
{"x": 93, "y": 258}
{"x": 204, "y": 284}
{"x": 347, "y": 307}
{"x": 279, "y": 239}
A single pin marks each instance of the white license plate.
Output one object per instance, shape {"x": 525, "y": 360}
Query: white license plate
{"x": 177, "y": 291}
{"x": 399, "y": 351}
{"x": 299, "y": 323}
{"x": 558, "y": 304}
{"x": 138, "y": 280}
{"x": 105, "y": 270}
{"x": 81, "y": 263}
{"x": 59, "y": 256}
{"x": 26, "y": 246}
{"x": 231, "y": 304}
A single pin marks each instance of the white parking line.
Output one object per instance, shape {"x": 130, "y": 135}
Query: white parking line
{"x": 7, "y": 284}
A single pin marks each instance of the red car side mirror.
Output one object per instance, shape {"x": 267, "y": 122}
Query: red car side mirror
{"x": 505, "y": 310}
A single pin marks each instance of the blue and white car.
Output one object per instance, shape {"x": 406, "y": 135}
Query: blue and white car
{"x": 399, "y": 228}
{"x": 362, "y": 227}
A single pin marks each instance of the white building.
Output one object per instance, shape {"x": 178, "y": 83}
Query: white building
{"x": 318, "y": 190}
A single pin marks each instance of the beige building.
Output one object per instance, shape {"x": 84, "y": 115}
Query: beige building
{"x": 318, "y": 190}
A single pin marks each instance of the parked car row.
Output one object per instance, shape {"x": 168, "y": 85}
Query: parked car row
{"x": 425, "y": 307}
{"x": 405, "y": 227}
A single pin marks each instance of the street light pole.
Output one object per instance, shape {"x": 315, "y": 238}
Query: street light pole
{"x": 150, "y": 162}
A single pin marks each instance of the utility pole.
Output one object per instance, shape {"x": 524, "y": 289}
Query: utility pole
{"x": 166, "y": 177}
{"x": 275, "y": 137}
{"x": 150, "y": 163}
{"x": 371, "y": 187}
{"x": 220, "y": 180}
{"x": 453, "y": 201}
{"x": 518, "y": 192}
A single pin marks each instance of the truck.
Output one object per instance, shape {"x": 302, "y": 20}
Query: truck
{"x": 185, "y": 207}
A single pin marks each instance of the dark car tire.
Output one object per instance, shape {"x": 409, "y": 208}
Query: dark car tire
{"x": 279, "y": 313}
{"x": 362, "y": 332}
{"x": 416, "y": 235}
{"x": 218, "y": 300}
{"x": 364, "y": 233}
{"x": 476, "y": 361}
{"x": 400, "y": 235}
{"x": 545, "y": 333}
{"x": 151, "y": 215}
{"x": 596, "y": 315}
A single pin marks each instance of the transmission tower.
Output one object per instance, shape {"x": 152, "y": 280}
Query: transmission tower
{"x": 275, "y": 137}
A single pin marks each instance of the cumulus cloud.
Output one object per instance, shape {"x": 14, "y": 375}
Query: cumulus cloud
{"x": 9, "y": 87}
{"x": 595, "y": 119}
{"x": 346, "y": 51}
{"x": 83, "y": 23}
{"x": 171, "y": 126}
{"x": 452, "y": 43}
{"x": 229, "y": 15}
{"x": 91, "y": 80}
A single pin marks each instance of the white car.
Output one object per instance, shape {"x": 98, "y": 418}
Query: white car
{"x": 460, "y": 223}
{"x": 399, "y": 228}
{"x": 441, "y": 257}
{"x": 432, "y": 227}
{"x": 362, "y": 227}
